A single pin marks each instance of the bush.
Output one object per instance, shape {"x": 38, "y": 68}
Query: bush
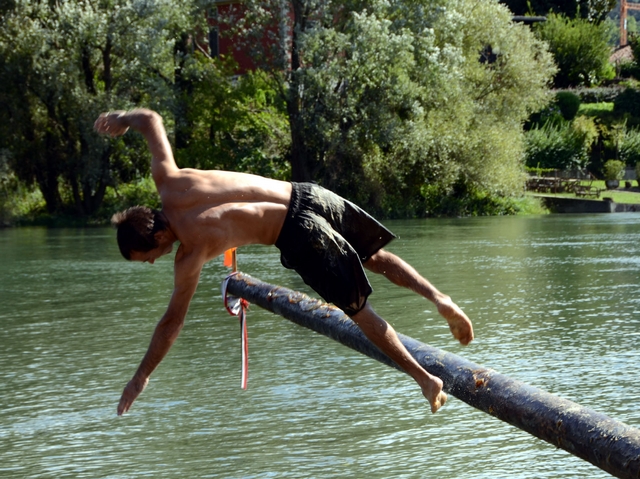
{"x": 560, "y": 146}
{"x": 139, "y": 192}
{"x": 238, "y": 125}
{"x": 613, "y": 170}
{"x": 550, "y": 115}
{"x": 627, "y": 104}
{"x": 564, "y": 108}
{"x": 602, "y": 94}
{"x": 634, "y": 43}
{"x": 568, "y": 103}
{"x": 465, "y": 200}
{"x": 629, "y": 70}
{"x": 630, "y": 148}
{"x": 580, "y": 49}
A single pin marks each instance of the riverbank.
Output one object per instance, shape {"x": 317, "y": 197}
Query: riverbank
{"x": 620, "y": 200}
{"x": 580, "y": 205}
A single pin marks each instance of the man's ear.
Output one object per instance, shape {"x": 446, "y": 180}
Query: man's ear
{"x": 160, "y": 236}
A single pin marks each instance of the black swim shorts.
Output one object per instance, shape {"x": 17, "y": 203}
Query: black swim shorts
{"x": 326, "y": 239}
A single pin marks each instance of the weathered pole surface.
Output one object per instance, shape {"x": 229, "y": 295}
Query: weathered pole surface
{"x": 604, "y": 442}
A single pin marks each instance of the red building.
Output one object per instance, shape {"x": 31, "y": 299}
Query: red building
{"x": 221, "y": 43}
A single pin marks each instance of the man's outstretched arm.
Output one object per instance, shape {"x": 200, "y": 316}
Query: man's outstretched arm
{"x": 149, "y": 124}
{"x": 187, "y": 274}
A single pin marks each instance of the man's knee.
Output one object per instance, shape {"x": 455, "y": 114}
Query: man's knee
{"x": 374, "y": 260}
{"x": 364, "y": 312}
{"x": 379, "y": 261}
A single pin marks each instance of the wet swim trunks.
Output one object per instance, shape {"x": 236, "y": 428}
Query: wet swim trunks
{"x": 326, "y": 239}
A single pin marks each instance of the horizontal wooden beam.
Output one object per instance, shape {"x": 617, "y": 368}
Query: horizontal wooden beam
{"x": 604, "y": 442}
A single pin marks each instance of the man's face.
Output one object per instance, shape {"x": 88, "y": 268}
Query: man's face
{"x": 151, "y": 256}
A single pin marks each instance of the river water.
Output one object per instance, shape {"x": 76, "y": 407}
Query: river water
{"x": 554, "y": 300}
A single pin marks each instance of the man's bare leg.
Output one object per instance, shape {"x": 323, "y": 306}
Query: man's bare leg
{"x": 403, "y": 274}
{"x": 385, "y": 338}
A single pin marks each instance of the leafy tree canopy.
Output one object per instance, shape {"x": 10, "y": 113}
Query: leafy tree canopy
{"x": 63, "y": 62}
{"x": 390, "y": 101}
{"x": 580, "y": 49}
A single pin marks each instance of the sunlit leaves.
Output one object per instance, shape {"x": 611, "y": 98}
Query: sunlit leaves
{"x": 62, "y": 63}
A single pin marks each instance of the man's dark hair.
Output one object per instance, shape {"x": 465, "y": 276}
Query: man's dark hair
{"x": 136, "y": 229}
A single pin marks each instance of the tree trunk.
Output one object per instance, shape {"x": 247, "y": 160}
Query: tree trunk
{"x": 106, "y": 64}
{"x": 608, "y": 444}
{"x": 183, "y": 89}
{"x": 47, "y": 174}
{"x": 299, "y": 153}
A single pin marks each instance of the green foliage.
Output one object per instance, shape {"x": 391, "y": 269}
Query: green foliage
{"x": 580, "y": 49}
{"x": 613, "y": 170}
{"x": 561, "y": 146}
{"x": 627, "y": 104}
{"x": 601, "y": 94}
{"x": 61, "y": 63}
{"x": 236, "y": 124}
{"x": 138, "y": 192}
{"x": 384, "y": 101}
{"x": 564, "y": 107}
{"x": 16, "y": 200}
{"x": 464, "y": 200}
{"x": 630, "y": 148}
{"x": 638, "y": 172}
{"x": 634, "y": 43}
{"x": 568, "y": 103}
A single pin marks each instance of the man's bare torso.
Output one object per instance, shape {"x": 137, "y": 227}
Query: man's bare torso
{"x": 211, "y": 211}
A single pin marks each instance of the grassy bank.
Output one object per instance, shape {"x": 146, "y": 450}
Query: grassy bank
{"x": 620, "y": 195}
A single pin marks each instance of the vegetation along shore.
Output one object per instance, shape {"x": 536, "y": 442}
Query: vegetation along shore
{"x": 410, "y": 109}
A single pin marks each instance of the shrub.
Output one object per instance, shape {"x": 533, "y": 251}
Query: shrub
{"x": 613, "y": 170}
{"x": 630, "y": 148}
{"x": 560, "y": 146}
{"x": 139, "y": 192}
{"x": 568, "y": 103}
{"x": 580, "y": 49}
{"x": 600, "y": 94}
{"x": 564, "y": 108}
{"x": 634, "y": 43}
{"x": 465, "y": 200}
{"x": 628, "y": 103}
{"x": 550, "y": 115}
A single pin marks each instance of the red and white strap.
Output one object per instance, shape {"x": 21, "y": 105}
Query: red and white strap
{"x": 238, "y": 307}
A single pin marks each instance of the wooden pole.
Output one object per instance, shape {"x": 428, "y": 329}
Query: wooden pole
{"x": 608, "y": 444}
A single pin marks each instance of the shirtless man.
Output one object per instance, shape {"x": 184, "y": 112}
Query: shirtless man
{"x": 209, "y": 212}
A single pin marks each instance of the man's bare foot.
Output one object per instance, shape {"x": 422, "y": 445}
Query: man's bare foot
{"x": 432, "y": 390}
{"x": 459, "y": 324}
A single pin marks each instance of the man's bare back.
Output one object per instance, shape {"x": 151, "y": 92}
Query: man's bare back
{"x": 213, "y": 211}
{"x": 209, "y": 212}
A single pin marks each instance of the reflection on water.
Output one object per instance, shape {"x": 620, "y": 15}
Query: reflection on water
{"x": 554, "y": 302}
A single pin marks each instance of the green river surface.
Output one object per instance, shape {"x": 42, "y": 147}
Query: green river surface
{"x": 555, "y": 302}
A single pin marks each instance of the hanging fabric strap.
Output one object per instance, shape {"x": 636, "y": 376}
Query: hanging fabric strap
{"x": 238, "y": 307}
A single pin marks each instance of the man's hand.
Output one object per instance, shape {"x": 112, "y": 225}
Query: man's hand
{"x": 111, "y": 123}
{"x": 130, "y": 393}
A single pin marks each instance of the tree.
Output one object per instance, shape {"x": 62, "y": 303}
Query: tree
{"x": 63, "y": 62}
{"x": 387, "y": 98}
{"x": 580, "y": 49}
{"x": 234, "y": 123}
